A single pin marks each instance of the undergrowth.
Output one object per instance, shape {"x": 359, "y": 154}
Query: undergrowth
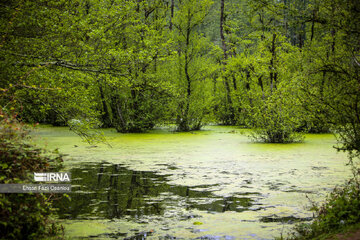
{"x": 340, "y": 211}
{"x": 24, "y": 215}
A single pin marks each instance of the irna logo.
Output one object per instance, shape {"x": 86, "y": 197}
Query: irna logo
{"x": 52, "y": 177}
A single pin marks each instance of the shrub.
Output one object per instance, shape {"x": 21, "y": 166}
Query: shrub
{"x": 273, "y": 123}
{"x": 340, "y": 210}
{"x": 24, "y": 216}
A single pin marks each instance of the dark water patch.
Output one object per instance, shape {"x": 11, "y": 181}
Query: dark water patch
{"x": 168, "y": 237}
{"x": 111, "y": 191}
{"x": 205, "y": 185}
{"x": 286, "y": 219}
{"x": 247, "y": 181}
{"x": 172, "y": 168}
{"x": 298, "y": 191}
{"x": 275, "y": 185}
{"x": 248, "y": 193}
{"x": 222, "y": 205}
{"x": 258, "y": 207}
{"x": 212, "y": 237}
{"x": 140, "y": 236}
{"x": 247, "y": 173}
{"x": 319, "y": 168}
{"x": 169, "y": 166}
{"x": 189, "y": 216}
{"x": 115, "y": 235}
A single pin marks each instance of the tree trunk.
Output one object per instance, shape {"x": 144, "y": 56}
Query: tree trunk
{"x": 230, "y": 119}
{"x": 118, "y": 118}
{"x": 105, "y": 115}
{"x": 273, "y": 73}
{"x": 313, "y": 25}
{"x": 184, "y": 125}
{"x": 222, "y": 22}
{"x": 171, "y": 14}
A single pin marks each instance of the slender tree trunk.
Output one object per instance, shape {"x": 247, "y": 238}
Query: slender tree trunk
{"x": 273, "y": 73}
{"x": 260, "y": 82}
{"x": 171, "y": 14}
{"x": 286, "y": 24}
{"x": 105, "y": 116}
{"x": 188, "y": 94}
{"x": 313, "y": 25}
{"x": 247, "y": 85}
{"x": 185, "y": 121}
{"x": 333, "y": 31}
{"x": 222, "y": 22}
{"x": 118, "y": 118}
{"x": 231, "y": 118}
{"x": 302, "y": 32}
{"x": 234, "y": 82}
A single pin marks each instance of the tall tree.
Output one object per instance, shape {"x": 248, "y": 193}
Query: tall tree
{"x": 191, "y": 49}
{"x": 229, "y": 109}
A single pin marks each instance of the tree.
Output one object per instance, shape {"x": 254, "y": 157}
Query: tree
{"x": 132, "y": 99}
{"x": 229, "y": 109}
{"x": 96, "y": 61}
{"x": 45, "y": 61}
{"x": 331, "y": 76}
{"x": 193, "y": 65}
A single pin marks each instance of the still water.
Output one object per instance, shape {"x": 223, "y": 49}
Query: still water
{"x": 210, "y": 184}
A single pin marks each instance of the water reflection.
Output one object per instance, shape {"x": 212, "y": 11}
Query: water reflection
{"x": 262, "y": 188}
{"x": 108, "y": 191}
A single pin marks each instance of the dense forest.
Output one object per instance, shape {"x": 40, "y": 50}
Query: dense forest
{"x": 280, "y": 67}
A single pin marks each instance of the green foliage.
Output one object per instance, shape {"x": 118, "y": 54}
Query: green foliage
{"x": 134, "y": 64}
{"x": 85, "y": 129}
{"x": 330, "y": 77}
{"x": 94, "y": 59}
{"x": 24, "y": 216}
{"x": 275, "y": 122}
{"x": 269, "y": 94}
{"x": 137, "y": 98}
{"x": 281, "y": 67}
{"x": 340, "y": 210}
{"x": 192, "y": 65}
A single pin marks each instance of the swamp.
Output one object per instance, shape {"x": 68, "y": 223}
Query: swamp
{"x": 211, "y": 183}
{"x": 179, "y": 119}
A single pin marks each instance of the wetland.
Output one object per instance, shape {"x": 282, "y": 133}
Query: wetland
{"x": 209, "y": 184}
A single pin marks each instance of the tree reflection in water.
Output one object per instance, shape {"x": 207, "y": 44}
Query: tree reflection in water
{"x": 107, "y": 191}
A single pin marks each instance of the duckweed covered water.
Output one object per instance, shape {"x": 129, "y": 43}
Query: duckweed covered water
{"x": 210, "y": 184}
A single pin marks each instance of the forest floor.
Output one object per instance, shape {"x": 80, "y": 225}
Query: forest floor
{"x": 352, "y": 235}
{"x": 349, "y": 233}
